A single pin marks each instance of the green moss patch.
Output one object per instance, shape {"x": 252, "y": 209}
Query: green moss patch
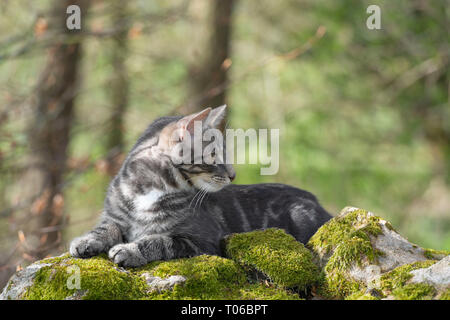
{"x": 211, "y": 277}
{"x": 416, "y": 291}
{"x": 432, "y": 254}
{"x": 341, "y": 243}
{"x": 263, "y": 264}
{"x": 361, "y": 295}
{"x": 100, "y": 279}
{"x": 207, "y": 277}
{"x": 445, "y": 295}
{"x": 357, "y": 224}
{"x": 395, "y": 282}
{"x": 275, "y": 254}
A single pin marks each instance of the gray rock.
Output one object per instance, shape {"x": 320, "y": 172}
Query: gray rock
{"x": 397, "y": 250}
{"x": 437, "y": 275}
{"x": 21, "y": 281}
{"x": 162, "y": 284}
{"x": 78, "y": 295}
{"x": 357, "y": 249}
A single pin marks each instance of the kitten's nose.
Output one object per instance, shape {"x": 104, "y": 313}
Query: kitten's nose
{"x": 230, "y": 171}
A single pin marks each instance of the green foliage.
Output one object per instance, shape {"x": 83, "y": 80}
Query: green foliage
{"x": 276, "y": 255}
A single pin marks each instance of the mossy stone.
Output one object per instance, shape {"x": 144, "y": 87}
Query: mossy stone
{"x": 276, "y": 255}
{"x": 395, "y": 283}
{"x": 341, "y": 243}
{"x": 207, "y": 277}
{"x": 263, "y": 264}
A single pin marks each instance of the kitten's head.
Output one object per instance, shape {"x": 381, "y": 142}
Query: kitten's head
{"x": 196, "y": 147}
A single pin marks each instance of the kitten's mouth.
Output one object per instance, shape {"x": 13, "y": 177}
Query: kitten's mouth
{"x": 213, "y": 184}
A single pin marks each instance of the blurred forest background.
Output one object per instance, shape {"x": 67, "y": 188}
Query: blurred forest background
{"x": 363, "y": 114}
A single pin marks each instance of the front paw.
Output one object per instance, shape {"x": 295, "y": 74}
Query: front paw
{"x": 127, "y": 255}
{"x": 85, "y": 247}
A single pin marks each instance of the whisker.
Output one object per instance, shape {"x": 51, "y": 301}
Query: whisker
{"x": 193, "y": 198}
{"x": 207, "y": 196}
{"x": 199, "y": 200}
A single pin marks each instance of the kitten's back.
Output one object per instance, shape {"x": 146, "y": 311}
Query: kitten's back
{"x": 245, "y": 208}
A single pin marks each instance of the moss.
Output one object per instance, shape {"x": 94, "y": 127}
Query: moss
{"x": 432, "y": 254}
{"x": 357, "y": 223}
{"x": 276, "y": 255}
{"x": 338, "y": 283}
{"x": 343, "y": 242}
{"x": 390, "y": 227}
{"x": 361, "y": 295}
{"x": 211, "y": 277}
{"x": 414, "y": 291}
{"x": 400, "y": 275}
{"x": 100, "y": 279}
{"x": 208, "y": 277}
{"x": 349, "y": 252}
{"x": 60, "y": 258}
{"x": 395, "y": 282}
{"x": 445, "y": 295}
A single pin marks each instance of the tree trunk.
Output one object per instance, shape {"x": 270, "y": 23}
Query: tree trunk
{"x": 209, "y": 81}
{"x": 49, "y": 135}
{"x": 118, "y": 87}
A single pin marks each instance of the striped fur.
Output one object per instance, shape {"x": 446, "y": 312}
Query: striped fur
{"x": 155, "y": 210}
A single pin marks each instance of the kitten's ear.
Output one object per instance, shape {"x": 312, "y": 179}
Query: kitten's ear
{"x": 216, "y": 118}
{"x": 187, "y": 123}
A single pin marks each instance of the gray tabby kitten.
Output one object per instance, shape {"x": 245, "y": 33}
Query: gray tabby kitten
{"x": 156, "y": 209}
